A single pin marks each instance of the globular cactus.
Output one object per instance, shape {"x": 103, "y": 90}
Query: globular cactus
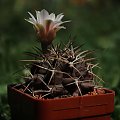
{"x": 61, "y": 72}
{"x": 56, "y": 72}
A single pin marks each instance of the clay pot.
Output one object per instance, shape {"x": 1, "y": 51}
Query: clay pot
{"x": 89, "y": 107}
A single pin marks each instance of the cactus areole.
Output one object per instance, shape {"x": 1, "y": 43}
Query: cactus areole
{"x": 56, "y": 72}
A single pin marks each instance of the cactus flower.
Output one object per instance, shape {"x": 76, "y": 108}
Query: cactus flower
{"x": 46, "y": 25}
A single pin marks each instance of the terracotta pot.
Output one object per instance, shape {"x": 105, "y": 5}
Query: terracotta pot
{"x": 94, "y": 107}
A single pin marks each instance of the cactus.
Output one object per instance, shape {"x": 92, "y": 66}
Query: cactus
{"x": 56, "y": 72}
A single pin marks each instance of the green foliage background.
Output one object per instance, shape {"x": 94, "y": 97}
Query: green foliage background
{"x": 94, "y": 22}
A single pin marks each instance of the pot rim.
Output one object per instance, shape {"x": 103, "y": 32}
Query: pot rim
{"x": 108, "y": 92}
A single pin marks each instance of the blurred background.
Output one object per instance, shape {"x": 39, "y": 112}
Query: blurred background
{"x": 95, "y": 23}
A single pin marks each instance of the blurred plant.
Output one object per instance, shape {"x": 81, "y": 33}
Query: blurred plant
{"x": 4, "y": 109}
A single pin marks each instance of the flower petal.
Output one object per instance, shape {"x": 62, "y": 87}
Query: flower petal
{"x": 38, "y": 15}
{"x": 52, "y": 16}
{"x": 59, "y": 17}
{"x": 44, "y": 14}
{"x": 30, "y": 20}
{"x": 60, "y": 27}
{"x": 40, "y": 31}
{"x": 32, "y": 16}
{"x": 47, "y": 24}
{"x": 58, "y": 23}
